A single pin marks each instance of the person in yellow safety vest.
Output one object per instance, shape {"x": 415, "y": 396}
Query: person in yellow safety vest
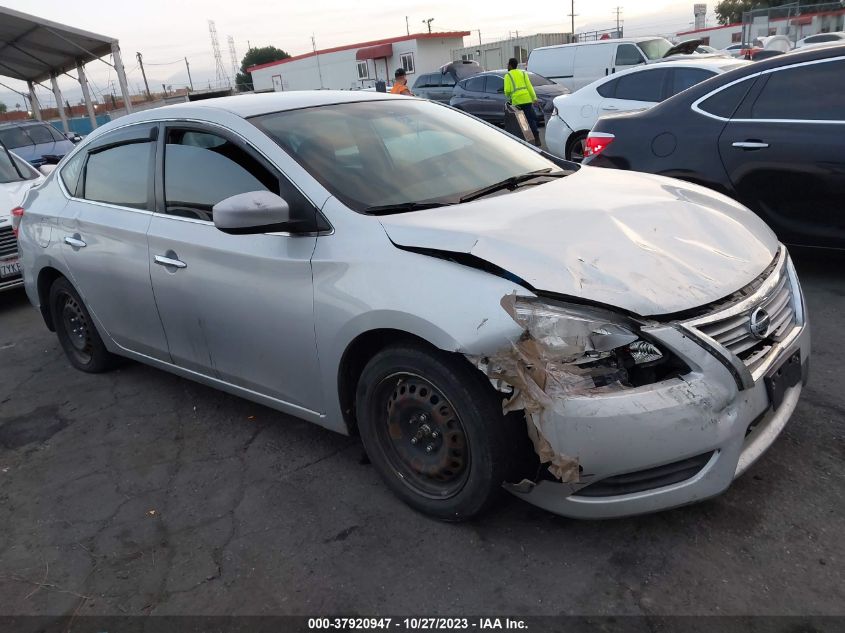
{"x": 520, "y": 93}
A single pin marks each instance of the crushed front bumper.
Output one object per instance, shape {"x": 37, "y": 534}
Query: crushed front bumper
{"x": 677, "y": 441}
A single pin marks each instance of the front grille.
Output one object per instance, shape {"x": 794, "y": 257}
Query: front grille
{"x": 8, "y": 242}
{"x": 733, "y": 331}
{"x": 648, "y": 479}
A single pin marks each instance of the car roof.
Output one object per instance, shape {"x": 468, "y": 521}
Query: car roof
{"x": 255, "y": 104}
{"x": 21, "y": 123}
{"x": 621, "y": 40}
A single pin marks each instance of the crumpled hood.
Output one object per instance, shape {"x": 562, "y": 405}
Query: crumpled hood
{"x": 647, "y": 244}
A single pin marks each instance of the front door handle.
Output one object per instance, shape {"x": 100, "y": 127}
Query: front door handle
{"x": 75, "y": 242}
{"x": 750, "y": 145}
{"x": 167, "y": 261}
{"x": 611, "y": 108}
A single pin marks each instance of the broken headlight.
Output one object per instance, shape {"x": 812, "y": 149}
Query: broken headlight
{"x": 581, "y": 348}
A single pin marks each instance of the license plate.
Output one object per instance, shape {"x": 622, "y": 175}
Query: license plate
{"x": 10, "y": 268}
{"x": 780, "y": 379}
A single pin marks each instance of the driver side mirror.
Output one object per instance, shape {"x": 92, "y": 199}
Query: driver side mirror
{"x": 250, "y": 213}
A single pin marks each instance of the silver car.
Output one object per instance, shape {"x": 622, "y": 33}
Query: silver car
{"x": 600, "y": 343}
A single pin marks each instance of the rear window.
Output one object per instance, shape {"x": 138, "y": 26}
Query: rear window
{"x": 683, "y": 78}
{"x": 641, "y": 86}
{"x": 494, "y": 84}
{"x": 14, "y": 137}
{"x": 8, "y": 171}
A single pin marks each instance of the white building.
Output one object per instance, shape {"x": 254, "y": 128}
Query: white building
{"x": 795, "y": 27}
{"x": 356, "y": 66}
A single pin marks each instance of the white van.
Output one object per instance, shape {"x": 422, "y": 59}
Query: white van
{"x": 576, "y": 65}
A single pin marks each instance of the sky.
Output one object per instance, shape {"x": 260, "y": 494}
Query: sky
{"x": 166, "y": 31}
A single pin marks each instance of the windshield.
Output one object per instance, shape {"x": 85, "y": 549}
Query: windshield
{"x": 13, "y": 137}
{"x": 387, "y": 152}
{"x": 539, "y": 80}
{"x": 655, "y": 49}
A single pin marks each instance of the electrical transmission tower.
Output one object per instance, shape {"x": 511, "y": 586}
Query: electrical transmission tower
{"x": 218, "y": 59}
{"x": 233, "y": 56}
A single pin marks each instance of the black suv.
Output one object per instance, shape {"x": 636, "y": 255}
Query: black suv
{"x": 768, "y": 135}
{"x": 438, "y": 85}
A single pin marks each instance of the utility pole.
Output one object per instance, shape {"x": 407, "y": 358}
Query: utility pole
{"x": 143, "y": 74}
{"x": 317, "y": 57}
{"x": 407, "y": 27}
{"x": 572, "y": 15}
{"x": 618, "y": 12}
{"x": 190, "y": 81}
{"x": 428, "y": 23}
{"x": 479, "y": 38}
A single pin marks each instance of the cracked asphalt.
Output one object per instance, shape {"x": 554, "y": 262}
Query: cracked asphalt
{"x": 137, "y": 492}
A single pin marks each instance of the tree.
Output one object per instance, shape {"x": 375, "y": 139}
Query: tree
{"x": 2, "y": 107}
{"x": 730, "y": 11}
{"x": 254, "y": 57}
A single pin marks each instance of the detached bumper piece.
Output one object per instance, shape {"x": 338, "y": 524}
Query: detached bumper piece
{"x": 648, "y": 479}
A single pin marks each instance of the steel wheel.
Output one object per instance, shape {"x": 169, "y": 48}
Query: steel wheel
{"x": 76, "y": 327}
{"x": 422, "y": 436}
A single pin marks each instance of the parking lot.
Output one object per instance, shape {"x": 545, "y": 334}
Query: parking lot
{"x": 136, "y": 492}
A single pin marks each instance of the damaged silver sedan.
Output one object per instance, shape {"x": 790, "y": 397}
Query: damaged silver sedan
{"x": 482, "y": 314}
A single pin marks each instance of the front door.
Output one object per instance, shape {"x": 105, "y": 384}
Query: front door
{"x": 783, "y": 152}
{"x": 103, "y": 234}
{"x": 238, "y": 308}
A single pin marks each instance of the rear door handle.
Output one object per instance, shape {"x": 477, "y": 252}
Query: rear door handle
{"x": 750, "y": 145}
{"x": 167, "y": 261}
{"x": 75, "y": 242}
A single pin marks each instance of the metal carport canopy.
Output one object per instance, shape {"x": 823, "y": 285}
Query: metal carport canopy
{"x": 33, "y": 49}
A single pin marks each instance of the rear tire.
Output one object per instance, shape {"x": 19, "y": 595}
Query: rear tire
{"x": 433, "y": 428}
{"x": 575, "y": 147}
{"x": 76, "y": 330}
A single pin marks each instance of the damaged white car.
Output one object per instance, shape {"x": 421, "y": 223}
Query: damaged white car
{"x": 600, "y": 343}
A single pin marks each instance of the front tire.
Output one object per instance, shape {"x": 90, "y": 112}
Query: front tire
{"x": 433, "y": 428}
{"x": 76, "y": 331}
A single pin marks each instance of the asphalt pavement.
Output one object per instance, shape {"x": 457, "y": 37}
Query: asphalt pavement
{"x": 137, "y": 492}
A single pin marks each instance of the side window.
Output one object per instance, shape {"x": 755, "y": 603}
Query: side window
{"x": 70, "y": 173}
{"x": 683, "y": 78}
{"x": 628, "y": 55}
{"x": 810, "y": 92}
{"x": 494, "y": 84}
{"x": 201, "y": 169}
{"x": 119, "y": 175}
{"x": 641, "y": 86}
{"x": 423, "y": 81}
{"x": 475, "y": 84}
{"x": 608, "y": 89}
{"x": 725, "y": 102}
{"x": 447, "y": 80}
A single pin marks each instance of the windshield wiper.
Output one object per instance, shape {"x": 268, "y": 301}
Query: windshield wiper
{"x": 403, "y": 207}
{"x": 513, "y": 182}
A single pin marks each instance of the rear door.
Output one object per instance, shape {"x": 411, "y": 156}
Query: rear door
{"x": 494, "y": 95}
{"x": 783, "y": 152}
{"x": 445, "y": 86}
{"x": 238, "y": 308}
{"x": 103, "y": 236}
{"x": 474, "y": 97}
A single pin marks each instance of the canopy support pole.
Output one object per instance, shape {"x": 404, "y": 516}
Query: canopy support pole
{"x": 86, "y": 94}
{"x": 60, "y": 104}
{"x": 33, "y": 101}
{"x": 121, "y": 77}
